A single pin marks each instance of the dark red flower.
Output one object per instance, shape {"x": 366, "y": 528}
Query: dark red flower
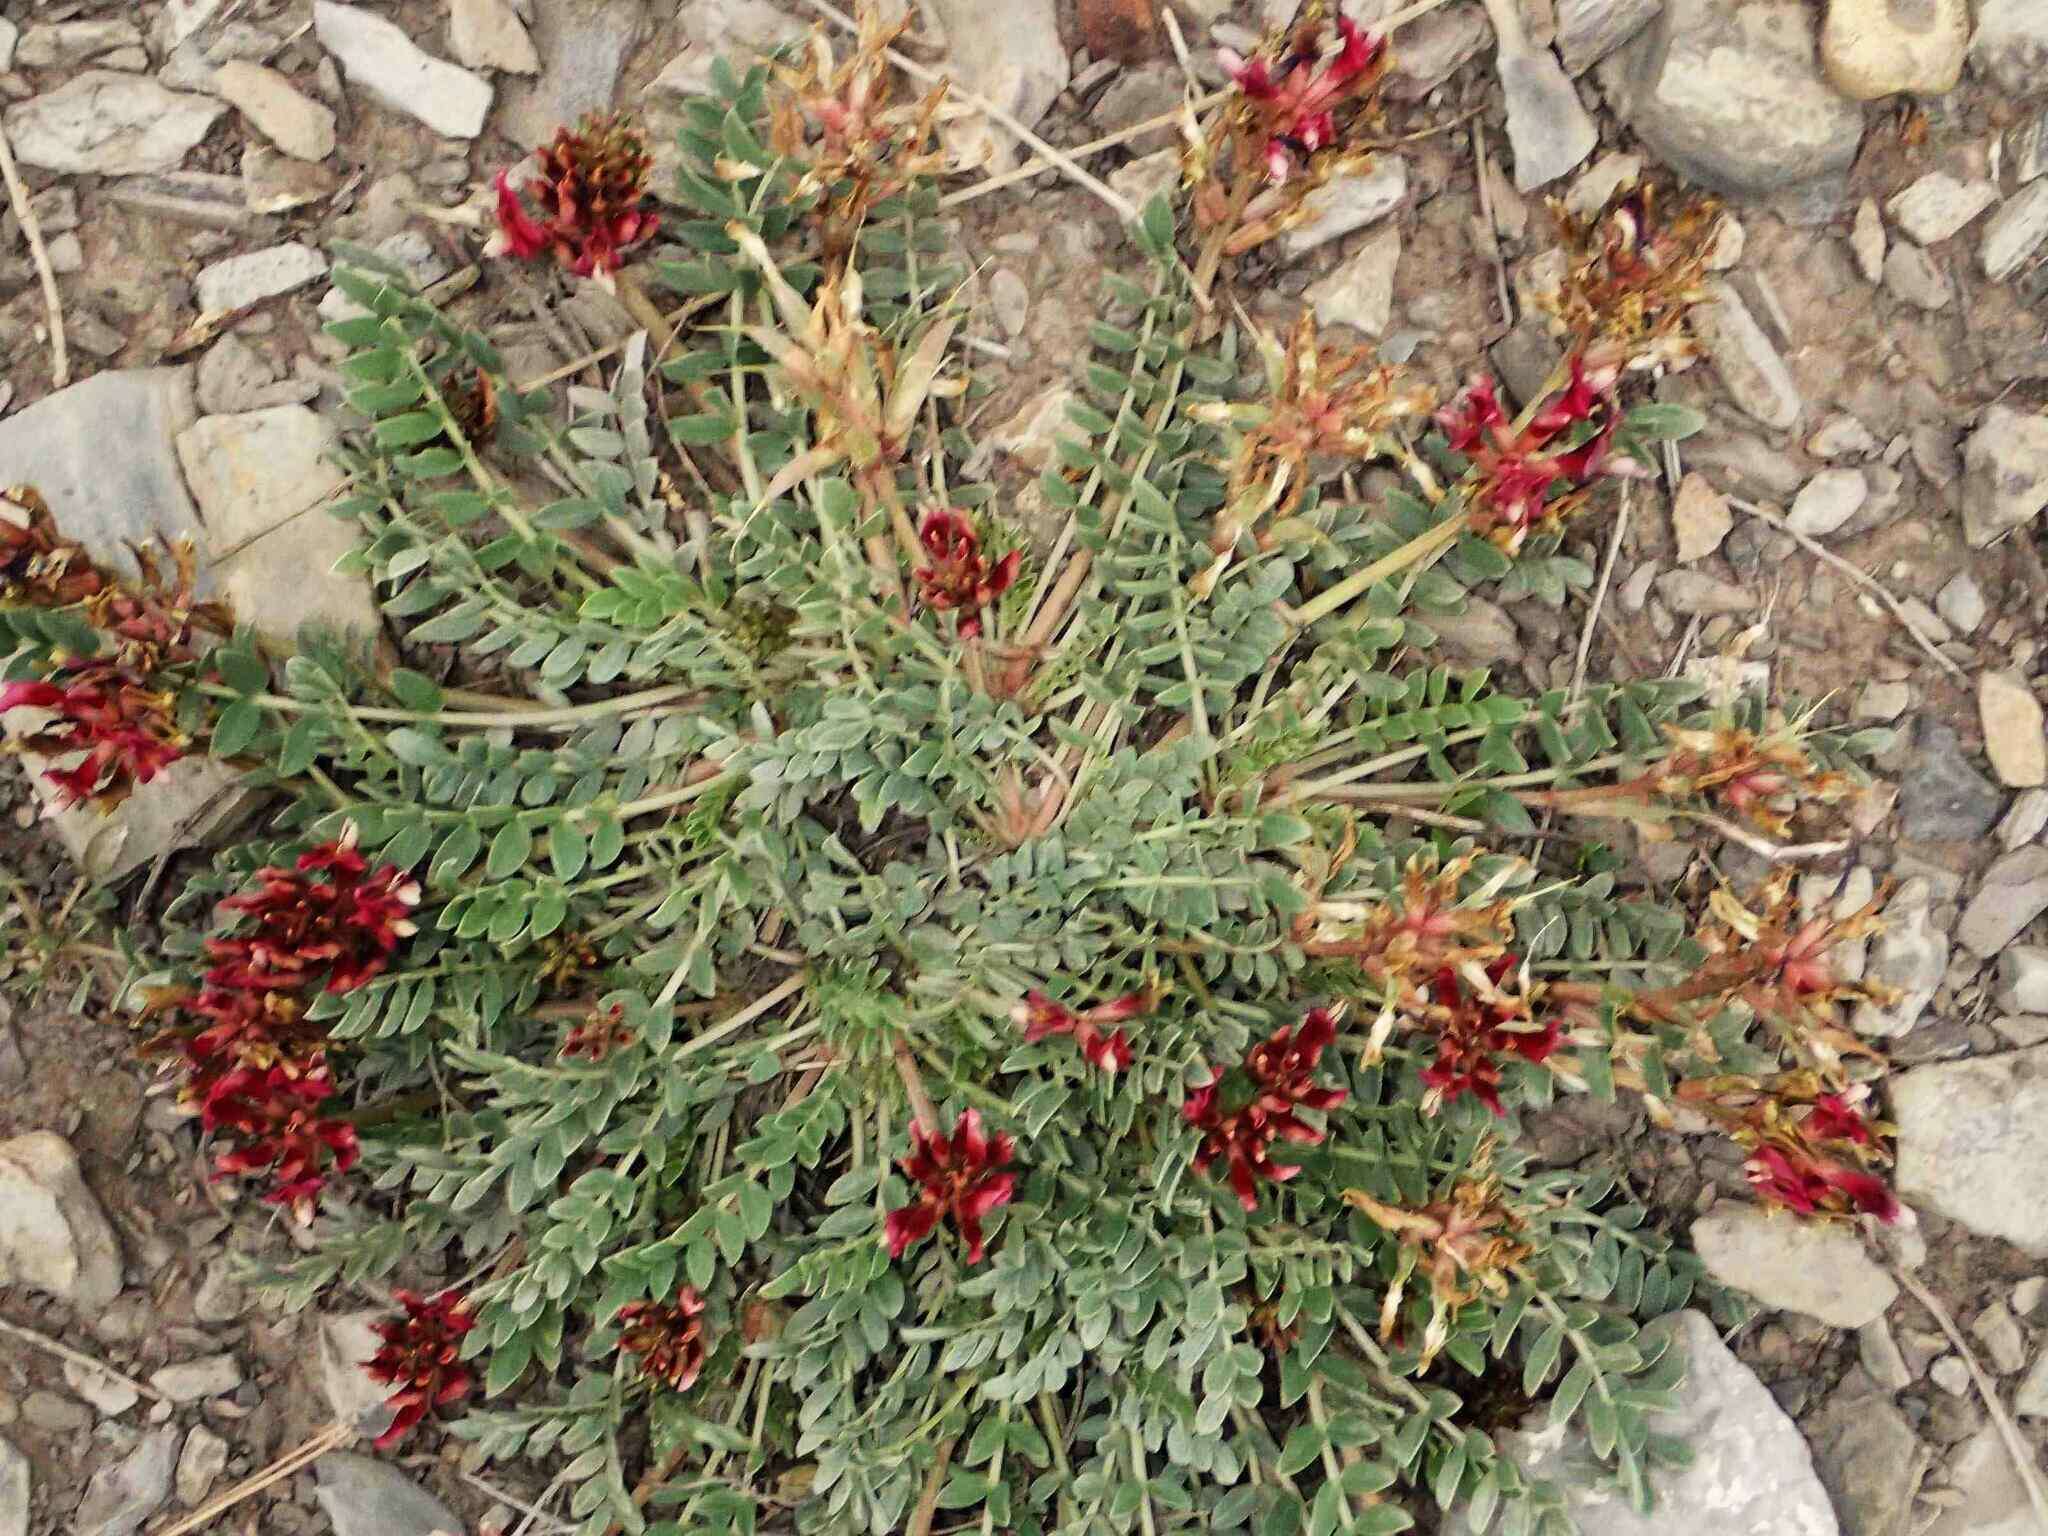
{"x": 123, "y": 728}
{"x": 961, "y": 1176}
{"x": 1813, "y": 1185}
{"x": 668, "y": 1336}
{"x": 1517, "y": 469}
{"x": 421, "y": 1359}
{"x": 959, "y": 577}
{"x": 272, "y": 1116}
{"x": 592, "y": 191}
{"x": 1241, "y": 1113}
{"x": 1041, "y": 1018}
{"x": 330, "y": 916}
{"x": 1298, "y": 100}
{"x": 1476, "y": 1030}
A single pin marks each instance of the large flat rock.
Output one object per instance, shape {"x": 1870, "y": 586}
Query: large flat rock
{"x": 1973, "y": 1143}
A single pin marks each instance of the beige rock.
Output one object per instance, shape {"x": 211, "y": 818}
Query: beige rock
{"x": 1873, "y": 48}
{"x": 488, "y": 34}
{"x": 1700, "y": 518}
{"x": 2014, "y": 738}
{"x": 1866, "y": 240}
{"x": 291, "y": 120}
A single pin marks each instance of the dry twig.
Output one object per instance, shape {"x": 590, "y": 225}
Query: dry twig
{"x": 1868, "y": 583}
{"x": 292, "y": 1462}
{"x": 79, "y": 1358}
{"x": 18, "y": 199}
{"x": 1763, "y": 847}
{"x": 1600, "y": 591}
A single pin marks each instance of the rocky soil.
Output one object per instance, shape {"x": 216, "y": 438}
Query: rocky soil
{"x": 1861, "y": 523}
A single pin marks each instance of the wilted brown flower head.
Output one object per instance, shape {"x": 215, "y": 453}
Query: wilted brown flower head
{"x": 1465, "y": 1244}
{"x": 1633, "y": 272}
{"x": 1404, "y": 940}
{"x": 595, "y": 1038}
{"x": 667, "y": 1336}
{"x": 1758, "y": 777}
{"x": 38, "y": 565}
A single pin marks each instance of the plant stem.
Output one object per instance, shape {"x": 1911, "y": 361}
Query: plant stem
{"x": 569, "y": 714}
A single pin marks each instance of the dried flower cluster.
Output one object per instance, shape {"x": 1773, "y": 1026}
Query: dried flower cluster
{"x": 1482, "y": 1017}
{"x": 591, "y": 188}
{"x": 666, "y": 1338}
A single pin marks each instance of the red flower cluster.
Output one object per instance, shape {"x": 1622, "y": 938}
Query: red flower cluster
{"x": 1297, "y": 101}
{"x": 330, "y": 915}
{"x": 123, "y": 728}
{"x": 1810, "y": 1165}
{"x": 1242, "y": 1112}
{"x": 1476, "y": 1029}
{"x": 668, "y": 1336}
{"x": 592, "y": 189}
{"x": 272, "y": 1115}
{"x": 1517, "y": 468}
{"x": 421, "y": 1359}
{"x": 1040, "y": 1018}
{"x": 962, "y": 1176}
{"x": 959, "y": 577}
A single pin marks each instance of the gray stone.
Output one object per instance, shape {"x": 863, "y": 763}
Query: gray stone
{"x": 198, "y": 198}
{"x": 1589, "y": 30}
{"x": 1960, "y": 603}
{"x": 1594, "y": 186}
{"x": 108, "y": 1394}
{"x": 273, "y": 182}
{"x": 1973, "y": 1143}
{"x": 1951, "y": 1375}
{"x": 488, "y": 34}
{"x": 257, "y": 275}
{"x": 1146, "y": 177}
{"x": 2005, "y": 466}
{"x": 1347, "y": 203}
{"x": 2014, "y": 893}
{"x": 1842, "y": 436}
{"x": 1827, "y": 501}
{"x": 66, "y": 44}
{"x": 107, "y": 123}
{"x": 1695, "y": 592}
{"x": 1481, "y": 633}
{"x": 1942, "y": 797}
{"x": 1912, "y": 277}
{"x": 2011, "y": 44}
{"x": 230, "y": 376}
{"x": 2023, "y": 979}
{"x": 294, "y": 122}
{"x": 1937, "y": 206}
{"x": 1549, "y": 129}
{"x": 56, "y": 1414}
{"x": 125, "y": 1493}
{"x": 1874, "y": 48}
{"x": 1869, "y": 1460}
{"x": 195, "y": 65}
{"x": 1817, "y": 1268}
{"x": 2030, "y": 1401}
{"x": 364, "y": 1497}
{"x": 190, "y": 1380}
{"x": 2024, "y": 821}
{"x": 1883, "y": 701}
{"x": 10, "y": 38}
{"x": 346, "y": 1345}
{"x": 583, "y": 46}
{"x": 1755, "y": 375}
{"x": 1910, "y": 955}
{"x": 1994, "y": 1500}
{"x": 219, "y": 1297}
{"x": 1138, "y": 94}
{"x": 54, "y": 1237}
{"x": 1435, "y": 47}
{"x": 1880, "y": 1356}
{"x": 1729, "y": 95}
{"x": 1751, "y": 1473}
{"x": 2014, "y": 738}
{"x": 1360, "y": 292}
{"x": 1526, "y": 357}
{"x": 203, "y": 1460}
{"x": 1031, "y": 435}
{"x": 2027, "y": 148}
{"x": 1866, "y": 241}
{"x": 1008, "y": 54}
{"x": 1010, "y": 299}
{"x": 740, "y": 31}
{"x": 2023, "y": 1029}
{"x": 262, "y": 479}
{"x": 14, "y": 1490}
{"x": 377, "y": 56}
{"x": 2005, "y": 1344}
{"x": 2015, "y": 232}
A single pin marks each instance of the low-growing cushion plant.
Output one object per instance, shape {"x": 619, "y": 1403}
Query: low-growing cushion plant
{"x": 904, "y": 1024}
